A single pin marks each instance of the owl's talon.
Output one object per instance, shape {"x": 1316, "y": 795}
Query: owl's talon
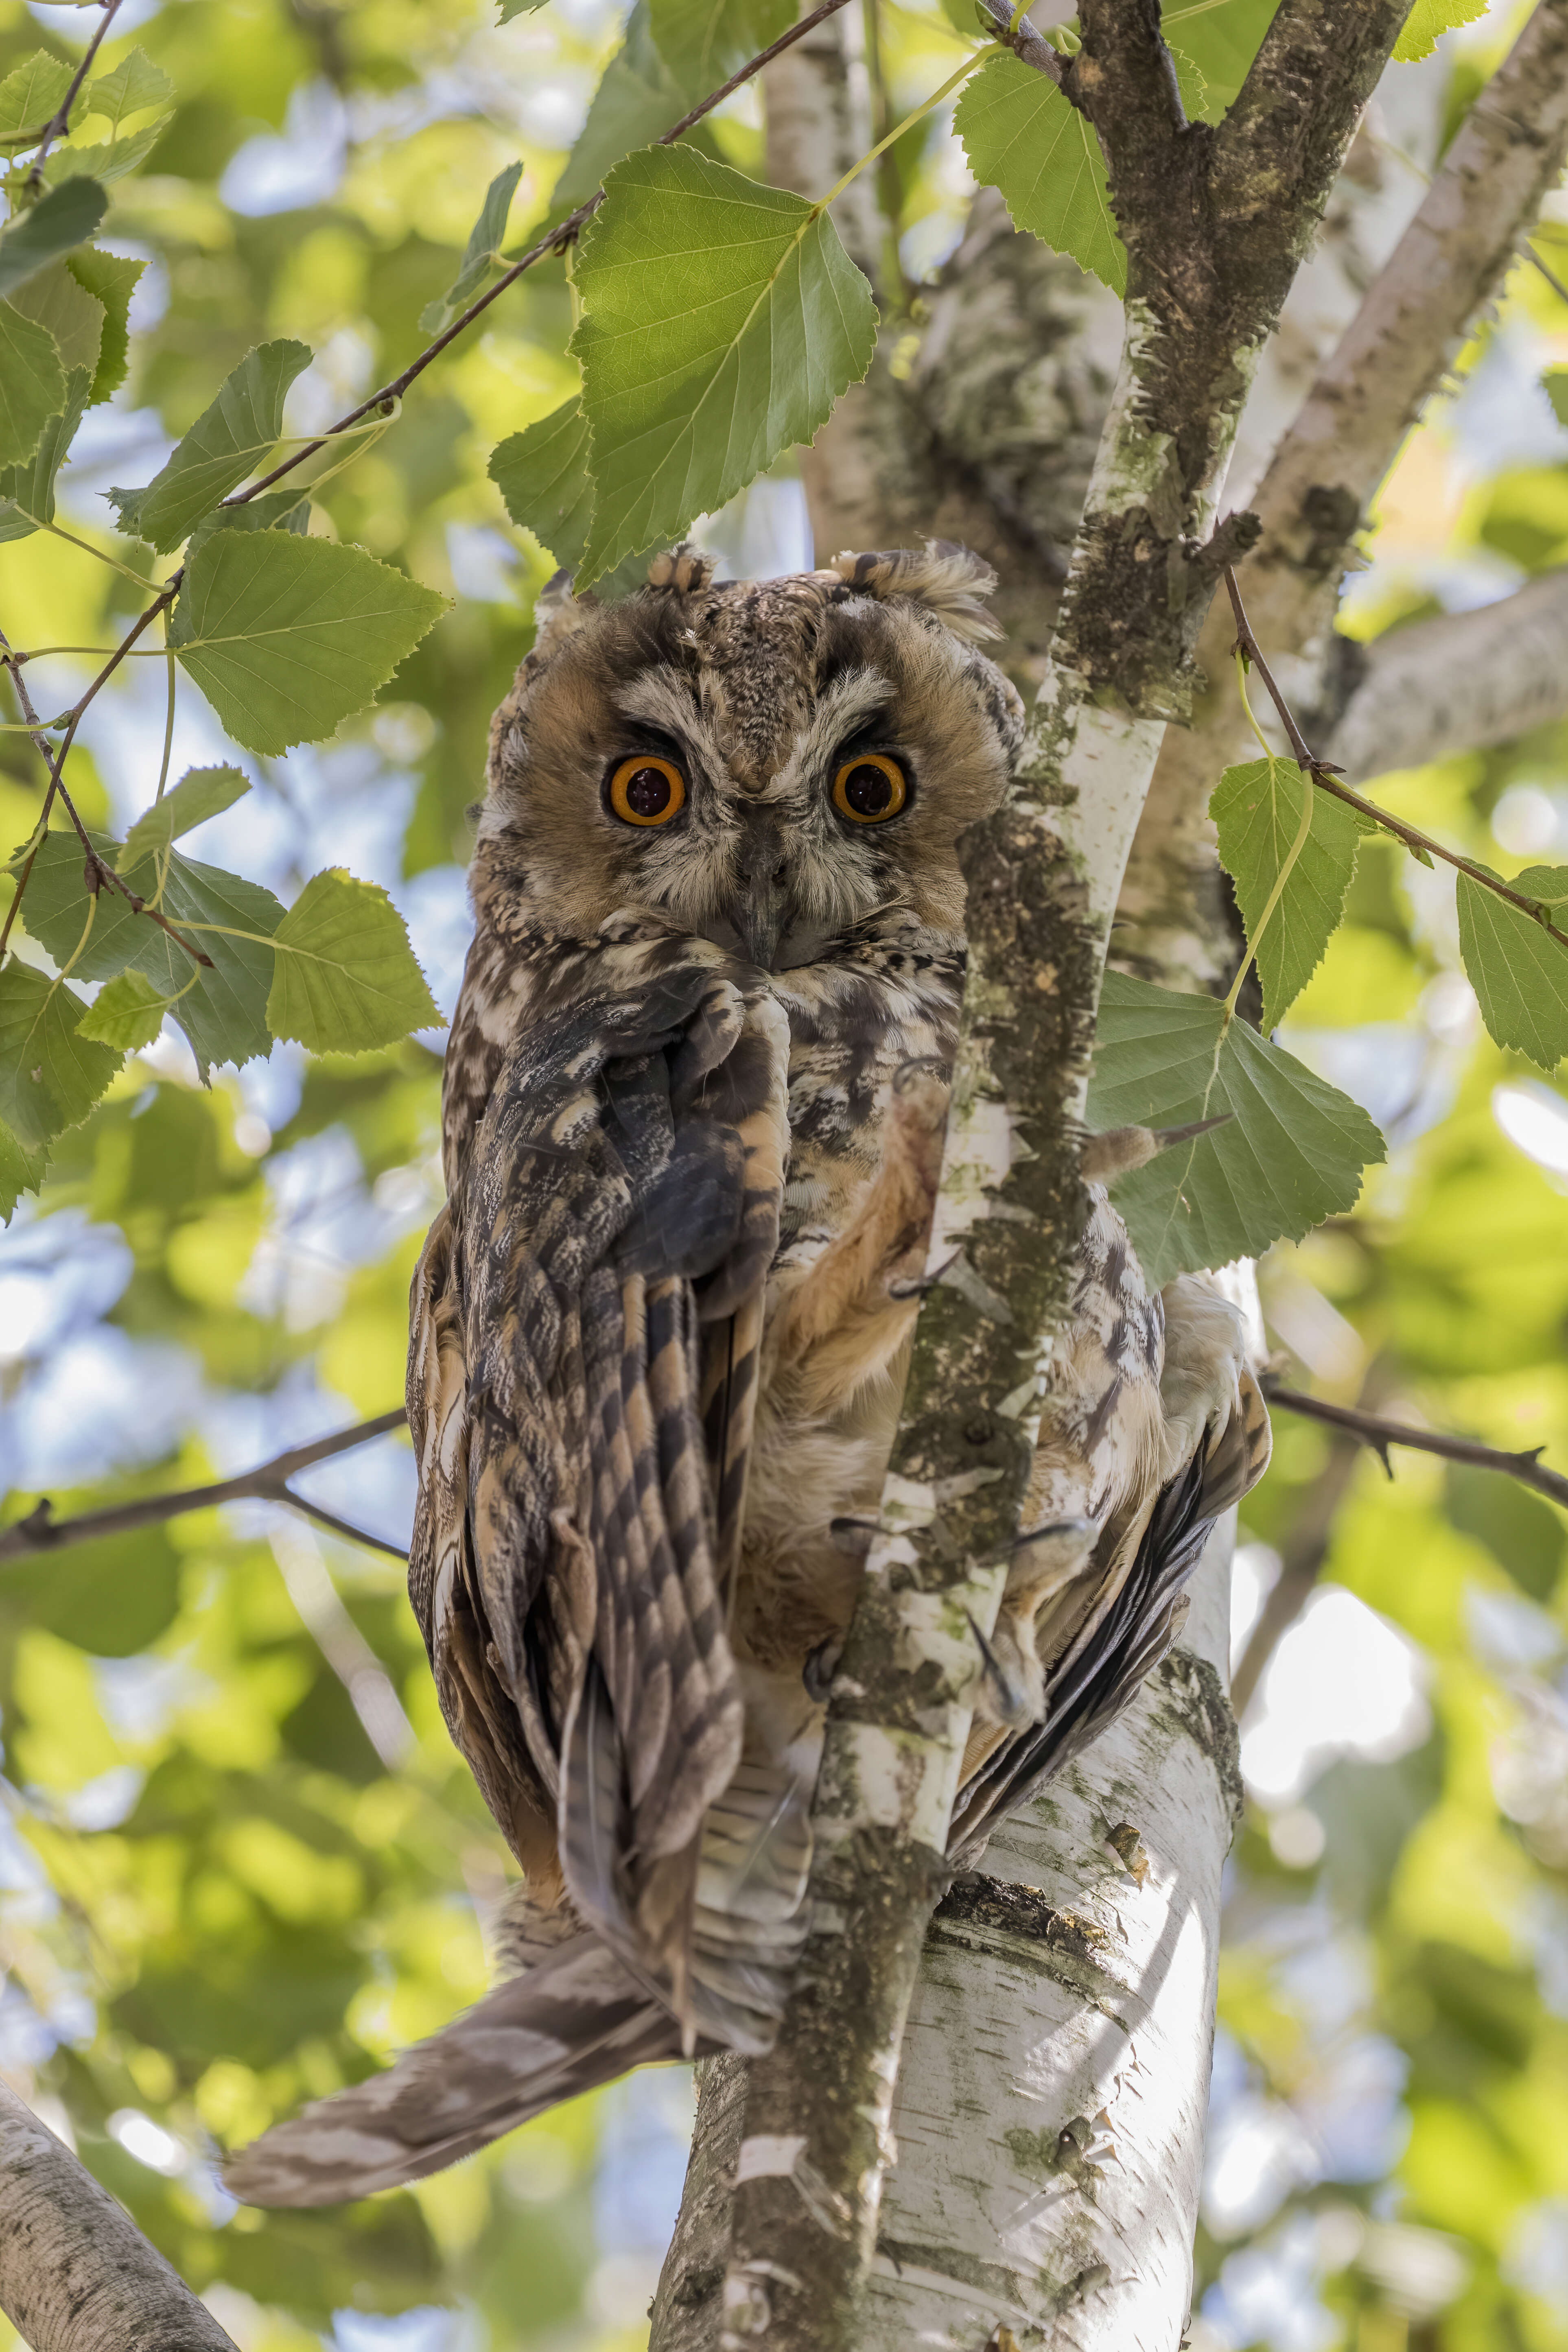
{"x": 821, "y": 1665}
{"x": 854, "y": 1536}
{"x": 1010, "y": 1704}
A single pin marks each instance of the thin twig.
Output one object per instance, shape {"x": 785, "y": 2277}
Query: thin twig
{"x": 1331, "y": 780}
{"x": 1372, "y": 1430}
{"x": 40, "y": 1531}
{"x": 60, "y": 118}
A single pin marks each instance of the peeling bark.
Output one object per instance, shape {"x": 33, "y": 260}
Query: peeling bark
{"x": 1215, "y": 222}
{"x": 1313, "y": 496}
{"x": 76, "y": 2273}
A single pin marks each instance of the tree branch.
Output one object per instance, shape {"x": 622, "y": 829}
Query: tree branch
{"x": 1371, "y": 1429}
{"x": 60, "y": 119}
{"x": 40, "y": 1531}
{"x": 76, "y": 2273}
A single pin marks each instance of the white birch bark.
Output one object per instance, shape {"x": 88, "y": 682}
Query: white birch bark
{"x": 76, "y": 2273}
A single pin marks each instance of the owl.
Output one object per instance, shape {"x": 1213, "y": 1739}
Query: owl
{"x": 694, "y": 1103}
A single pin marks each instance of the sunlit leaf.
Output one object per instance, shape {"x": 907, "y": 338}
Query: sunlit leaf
{"x": 31, "y": 92}
{"x": 111, "y": 278}
{"x": 1220, "y": 38}
{"x": 50, "y": 1076}
{"x": 32, "y": 384}
{"x": 1256, "y": 808}
{"x": 1022, "y": 137}
{"x": 346, "y": 978}
{"x": 480, "y": 254}
{"x": 53, "y": 297}
{"x": 27, "y": 491}
{"x": 201, "y": 793}
{"x": 723, "y": 321}
{"x": 135, "y": 84}
{"x": 65, "y": 216}
{"x": 286, "y": 636}
{"x": 127, "y": 1012}
{"x": 1428, "y": 20}
{"x": 1290, "y": 1154}
{"x": 1518, "y": 967}
{"x": 704, "y": 41}
{"x": 542, "y": 475}
{"x": 21, "y": 1171}
{"x": 105, "y": 159}
{"x": 226, "y": 442}
{"x": 637, "y": 100}
{"x": 111, "y": 1598}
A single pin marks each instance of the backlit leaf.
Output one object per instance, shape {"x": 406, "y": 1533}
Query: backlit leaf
{"x": 1257, "y": 807}
{"x": 511, "y": 8}
{"x": 1292, "y": 1153}
{"x": 111, "y": 278}
{"x": 21, "y": 1171}
{"x": 31, "y": 92}
{"x": 27, "y": 490}
{"x": 135, "y": 84}
{"x": 703, "y": 41}
{"x": 1022, "y": 137}
{"x": 1220, "y": 38}
{"x": 105, "y": 159}
{"x": 480, "y": 254}
{"x": 65, "y": 216}
{"x": 1426, "y": 23}
{"x": 542, "y": 475}
{"x": 50, "y": 1076}
{"x": 127, "y": 1012}
{"x": 201, "y": 793}
{"x": 1517, "y": 967}
{"x": 346, "y": 978}
{"x": 111, "y": 1598}
{"x": 226, "y": 442}
{"x": 286, "y": 636}
{"x": 723, "y": 321}
{"x": 54, "y": 298}
{"x": 637, "y": 100}
{"x": 32, "y": 384}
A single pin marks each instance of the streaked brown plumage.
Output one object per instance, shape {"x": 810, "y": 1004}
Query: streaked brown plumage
{"x": 695, "y": 1096}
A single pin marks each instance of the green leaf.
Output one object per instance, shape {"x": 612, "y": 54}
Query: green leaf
{"x": 1517, "y": 968}
{"x": 287, "y": 637}
{"x": 50, "y": 1077}
{"x": 127, "y": 1012}
{"x": 20, "y": 1171}
{"x": 111, "y": 1598}
{"x": 480, "y": 254}
{"x": 542, "y": 475}
{"x": 52, "y": 298}
{"x": 32, "y": 384}
{"x": 111, "y": 278}
{"x": 1219, "y": 38}
{"x": 511, "y": 8}
{"x": 1554, "y": 385}
{"x": 1428, "y": 21}
{"x": 201, "y": 793}
{"x": 1258, "y": 808}
{"x": 135, "y": 84}
{"x": 54, "y": 910}
{"x": 31, "y": 92}
{"x": 27, "y": 490}
{"x": 105, "y": 160}
{"x": 703, "y": 41}
{"x": 226, "y": 442}
{"x": 1022, "y": 137}
{"x": 723, "y": 321}
{"x": 351, "y": 982}
{"x": 637, "y": 100}
{"x": 65, "y": 216}
{"x": 1292, "y": 1153}
{"x": 287, "y": 511}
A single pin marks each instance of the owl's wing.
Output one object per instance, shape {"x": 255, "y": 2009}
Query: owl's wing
{"x": 1137, "y": 1617}
{"x": 612, "y": 1229}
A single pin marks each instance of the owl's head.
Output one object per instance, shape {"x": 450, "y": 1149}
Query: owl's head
{"x": 763, "y": 764}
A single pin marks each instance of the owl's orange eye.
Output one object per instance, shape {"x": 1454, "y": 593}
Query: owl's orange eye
{"x": 870, "y": 788}
{"x": 645, "y": 790}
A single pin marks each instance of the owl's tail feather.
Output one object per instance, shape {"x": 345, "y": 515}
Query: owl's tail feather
{"x": 575, "y": 2020}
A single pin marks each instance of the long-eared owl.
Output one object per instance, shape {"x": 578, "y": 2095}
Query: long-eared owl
{"x": 694, "y": 1105}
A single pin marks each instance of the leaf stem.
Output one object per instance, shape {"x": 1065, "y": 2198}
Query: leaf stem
{"x": 977, "y": 58}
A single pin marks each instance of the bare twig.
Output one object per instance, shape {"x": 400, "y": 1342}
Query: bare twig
{"x": 1325, "y": 776}
{"x": 1372, "y": 1430}
{"x": 59, "y": 120}
{"x": 40, "y": 1531}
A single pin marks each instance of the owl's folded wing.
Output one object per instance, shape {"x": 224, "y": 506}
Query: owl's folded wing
{"x": 610, "y": 1237}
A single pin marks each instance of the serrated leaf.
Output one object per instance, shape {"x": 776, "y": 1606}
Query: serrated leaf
{"x": 1428, "y": 20}
{"x": 1292, "y": 1153}
{"x": 480, "y": 254}
{"x": 722, "y": 320}
{"x": 50, "y": 1076}
{"x": 111, "y": 278}
{"x": 637, "y": 100}
{"x": 27, "y": 491}
{"x": 105, "y": 160}
{"x": 54, "y": 911}
{"x": 703, "y": 41}
{"x": 346, "y": 978}
{"x": 287, "y": 637}
{"x": 227, "y": 441}
{"x": 65, "y": 216}
{"x": 20, "y": 1171}
{"x": 1517, "y": 967}
{"x": 1197, "y": 99}
{"x": 135, "y": 84}
{"x": 32, "y": 384}
{"x": 542, "y": 475}
{"x": 1257, "y": 807}
{"x": 1023, "y": 138}
{"x": 127, "y": 1012}
{"x": 201, "y": 793}
{"x": 52, "y": 298}
{"x": 31, "y": 92}
{"x": 1220, "y": 38}
{"x": 287, "y": 511}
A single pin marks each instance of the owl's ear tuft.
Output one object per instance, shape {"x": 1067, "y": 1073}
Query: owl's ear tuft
{"x": 947, "y": 580}
{"x": 558, "y": 614}
{"x": 686, "y": 568}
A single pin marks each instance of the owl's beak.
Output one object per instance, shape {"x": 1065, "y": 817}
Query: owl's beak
{"x": 767, "y": 909}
